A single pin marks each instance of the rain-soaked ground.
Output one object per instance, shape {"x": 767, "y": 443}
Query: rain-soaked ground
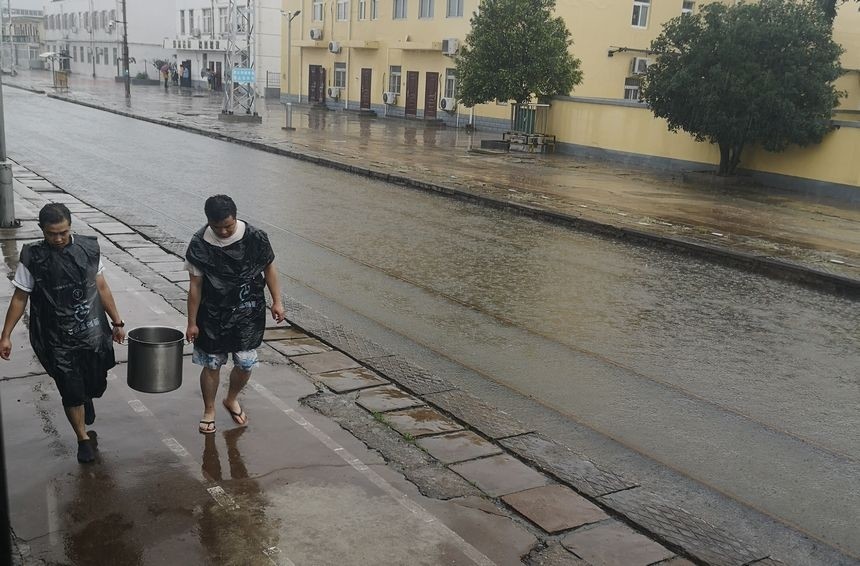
{"x": 744, "y": 384}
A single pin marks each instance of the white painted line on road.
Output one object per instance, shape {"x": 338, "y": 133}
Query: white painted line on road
{"x": 175, "y": 447}
{"x": 473, "y": 553}
{"x": 222, "y": 497}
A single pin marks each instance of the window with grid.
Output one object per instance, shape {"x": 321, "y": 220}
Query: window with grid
{"x": 640, "y": 13}
{"x": 374, "y": 9}
{"x": 394, "y": 79}
{"x": 687, "y": 7}
{"x": 222, "y": 20}
{"x": 631, "y": 88}
{"x": 318, "y": 10}
{"x": 399, "y": 9}
{"x": 342, "y": 10}
{"x": 450, "y": 83}
{"x": 207, "y": 20}
{"x": 340, "y": 75}
{"x": 455, "y": 9}
{"x": 425, "y": 8}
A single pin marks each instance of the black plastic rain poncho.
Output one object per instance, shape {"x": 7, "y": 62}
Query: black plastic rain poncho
{"x": 66, "y": 312}
{"x": 232, "y": 313}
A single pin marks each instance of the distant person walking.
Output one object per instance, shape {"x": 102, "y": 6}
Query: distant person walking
{"x": 70, "y": 302}
{"x": 230, "y": 263}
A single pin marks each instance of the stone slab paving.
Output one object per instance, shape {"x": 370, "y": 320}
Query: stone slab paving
{"x": 568, "y": 466}
{"x": 485, "y": 418}
{"x": 458, "y": 447}
{"x": 420, "y": 421}
{"x": 678, "y": 561}
{"x": 613, "y": 544}
{"x": 555, "y": 508}
{"x": 177, "y": 276}
{"x": 413, "y": 377}
{"x": 328, "y": 361}
{"x": 144, "y": 254}
{"x": 324, "y": 328}
{"x": 40, "y": 184}
{"x": 299, "y": 346}
{"x": 66, "y": 199}
{"x": 386, "y": 398}
{"x": 123, "y": 239}
{"x": 283, "y": 333}
{"x": 108, "y": 228}
{"x": 79, "y": 208}
{"x": 676, "y": 526}
{"x": 500, "y": 475}
{"x": 347, "y": 380}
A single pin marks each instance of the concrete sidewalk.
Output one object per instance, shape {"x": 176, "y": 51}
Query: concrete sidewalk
{"x": 352, "y": 455}
{"x": 762, "y": 229}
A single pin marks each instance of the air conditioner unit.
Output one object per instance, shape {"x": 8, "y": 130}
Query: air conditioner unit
{"x": 639, "y": 65}
{"x": 448, "y": 104}
{"x": 316, "y": 34}
{"x": 450, "y": 46}
{"x": 389, "y": 97}
{"x": 334, "y": 92}
{"x": 334, "y": 46}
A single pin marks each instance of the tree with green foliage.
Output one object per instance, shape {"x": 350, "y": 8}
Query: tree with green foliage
{"x": 751, "y": 73}
{"x": 515, "y": 50}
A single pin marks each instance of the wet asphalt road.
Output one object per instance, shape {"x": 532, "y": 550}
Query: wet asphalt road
{"x": 671, "y": 367}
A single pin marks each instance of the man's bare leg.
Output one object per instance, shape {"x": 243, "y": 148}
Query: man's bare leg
{"x": 76, "y": 419}
{"x": 209, "y": 379}
{"x": 238, "y": 380}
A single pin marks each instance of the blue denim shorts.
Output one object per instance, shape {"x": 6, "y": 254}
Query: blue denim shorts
{"x": 245, "y": 361}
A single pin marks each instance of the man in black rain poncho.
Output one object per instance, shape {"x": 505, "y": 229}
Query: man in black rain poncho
{"x": 62, "y": 278}
{"x": 230, "y": 263}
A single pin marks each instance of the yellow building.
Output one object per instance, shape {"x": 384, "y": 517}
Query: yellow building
{"x": 394, "y": 57}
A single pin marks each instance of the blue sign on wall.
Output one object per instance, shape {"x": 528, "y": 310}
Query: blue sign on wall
{"x": 244, "y": 75}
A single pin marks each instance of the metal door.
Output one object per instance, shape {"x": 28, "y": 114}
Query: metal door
{"x": 366, "y": 75}
{"x": 316, "y": 83}
{"x": 411, "y": 93}
{"x": 431, "y": 95}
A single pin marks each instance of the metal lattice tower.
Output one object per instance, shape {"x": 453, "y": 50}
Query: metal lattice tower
{"x": 240, "y": 98}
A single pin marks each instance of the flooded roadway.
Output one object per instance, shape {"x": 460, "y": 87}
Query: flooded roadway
{"x": 744, "y": 384}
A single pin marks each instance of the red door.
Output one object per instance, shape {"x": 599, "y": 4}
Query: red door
{"x": 431, "y": 96}
{"x": 411, "y": 93}
{"x": 366, "y": 75}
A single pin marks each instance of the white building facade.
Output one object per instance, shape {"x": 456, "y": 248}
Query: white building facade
{"x": 199, "y": 40}
{"x": 90, "y": 33}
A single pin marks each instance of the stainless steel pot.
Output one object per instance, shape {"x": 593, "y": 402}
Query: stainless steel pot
{"x": 155, "y": 359}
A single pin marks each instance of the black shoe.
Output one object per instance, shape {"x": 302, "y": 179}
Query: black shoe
{"x": 89, "y": 412}
{"x": 86, "y": 454}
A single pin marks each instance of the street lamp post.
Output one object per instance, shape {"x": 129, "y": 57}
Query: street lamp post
{"x": 290, "y": 17}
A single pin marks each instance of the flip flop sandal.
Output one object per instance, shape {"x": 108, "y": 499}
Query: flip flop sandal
{"x": 206, "y": 427}
{"x": 239, "y": 418}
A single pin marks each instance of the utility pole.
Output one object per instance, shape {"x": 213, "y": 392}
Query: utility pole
{"x": 7, "y": 201}
{"x": 125, "y": 53}
{"x": 93, "y": 38}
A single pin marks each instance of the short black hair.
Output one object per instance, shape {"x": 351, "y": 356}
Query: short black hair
{"x": 219, "y": 207}
{"x": 54, "y": 213}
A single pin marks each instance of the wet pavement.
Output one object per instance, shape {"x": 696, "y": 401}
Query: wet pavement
{"x": 658, "y": 353}
{"x": 755, "y": 220}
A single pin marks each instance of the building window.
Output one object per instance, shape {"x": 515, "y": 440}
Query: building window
{"x": 640, "y": 13}
{"x": 450, "y": 83}
{"x": 394, "y": 79}
{"x": 115, "y": 58}
{"x": 181, "y": 22}
{"x": 687, "y": 7}
{"x": 86, "y": 20}
{"x": 362, "y": 9}
{"x": 107, "y": 59}
{"x": 374, "y": 9}
{"x": 342, "y": 10}
{"x": 631, "y": 88}
{"x": 65, "y": 21}
{"x": 89, "y": 55}
{"x": 455, "y": 9}
{"x": 104, "y": 19}
{"x": 425, "y": 8}
{"x": 75, "y": 54}
{"x": 191, "y": 22}
{"x": 399, "y": 9}
{"x": 241, "y": 20}
{"x": 318, "y": 10}
{"x": 340, "y": 75}
{"x": 113, "y": 16}
{"x": 207, "y": 20}
{"x": 222, "y": 19}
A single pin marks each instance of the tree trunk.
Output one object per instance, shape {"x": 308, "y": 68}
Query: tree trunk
{"x": 730, "y": 158}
